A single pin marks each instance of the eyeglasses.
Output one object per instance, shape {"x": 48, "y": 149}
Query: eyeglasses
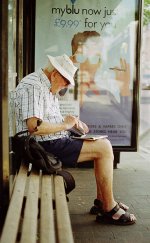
{"x": 92, "y": 59}
{"x": 65, "y": 79}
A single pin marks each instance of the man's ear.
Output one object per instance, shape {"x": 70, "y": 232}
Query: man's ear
{"x": 53, "y": 74}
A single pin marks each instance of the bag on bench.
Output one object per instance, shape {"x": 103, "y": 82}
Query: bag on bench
{"x": 26, "y": 148}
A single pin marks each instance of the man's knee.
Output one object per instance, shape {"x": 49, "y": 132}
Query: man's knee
{"x": 105, "y": 149}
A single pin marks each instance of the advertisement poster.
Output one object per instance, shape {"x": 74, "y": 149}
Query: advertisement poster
{"x": 100, "y": 37}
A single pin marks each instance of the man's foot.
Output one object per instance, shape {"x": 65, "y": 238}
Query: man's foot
{"x": 98, "y": 207}
{"x": 116, "y": 216}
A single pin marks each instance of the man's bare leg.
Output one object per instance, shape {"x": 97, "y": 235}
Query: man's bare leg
{"x": 101, "y": 152}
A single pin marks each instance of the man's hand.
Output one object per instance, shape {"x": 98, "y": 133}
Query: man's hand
{"x": 70, "y": 121}
{"x": 123, "y": 77}
{"x": 83, "y": 126}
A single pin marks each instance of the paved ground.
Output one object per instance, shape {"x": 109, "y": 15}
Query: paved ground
{"x": 131, "y": 186}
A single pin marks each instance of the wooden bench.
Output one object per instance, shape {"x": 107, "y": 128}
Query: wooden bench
{"x": 31, "y": 215}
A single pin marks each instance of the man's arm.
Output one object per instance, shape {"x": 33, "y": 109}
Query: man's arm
{"x": 50, "y": 128}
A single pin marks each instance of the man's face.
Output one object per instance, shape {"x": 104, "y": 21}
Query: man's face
{"x": 89, "y": 56}
{"x": 58, "y": 82}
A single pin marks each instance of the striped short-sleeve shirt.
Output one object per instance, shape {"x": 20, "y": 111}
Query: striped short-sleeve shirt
{"x": 34, "y": 99}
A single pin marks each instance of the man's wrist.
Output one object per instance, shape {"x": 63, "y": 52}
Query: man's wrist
{"x": 65, "y": 126}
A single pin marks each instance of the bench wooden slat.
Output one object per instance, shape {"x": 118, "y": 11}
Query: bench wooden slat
{"x": 62, "y": 213}
{"x": 11, "y": 225}
{"x": 29, "y": 228}
{"x": 22, "y": 216}
{"x": 47, "y": 231}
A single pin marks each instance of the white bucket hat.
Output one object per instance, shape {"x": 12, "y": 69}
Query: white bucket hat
{"x": 65, "y": 66}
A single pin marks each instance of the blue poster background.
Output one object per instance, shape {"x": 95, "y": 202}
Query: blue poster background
{"x": 103, "y": 94}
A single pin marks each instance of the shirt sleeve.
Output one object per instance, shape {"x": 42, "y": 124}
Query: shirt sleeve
{"x": 32, "y": 102}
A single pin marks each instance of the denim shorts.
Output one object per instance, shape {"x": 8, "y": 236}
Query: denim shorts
{"x": 66, "y": 149}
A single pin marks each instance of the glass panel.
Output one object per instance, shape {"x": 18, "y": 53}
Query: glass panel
{"x": 11, "y": 60}
{"x": 12, "y": 44}
{"x": 11, "y": 84}
{"x": 101, "y": 39}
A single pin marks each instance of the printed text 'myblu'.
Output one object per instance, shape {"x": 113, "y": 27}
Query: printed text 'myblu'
{"x": 73, "y": 10}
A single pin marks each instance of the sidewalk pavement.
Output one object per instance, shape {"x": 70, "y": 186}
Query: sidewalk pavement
{"x": 131, "y": 186}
